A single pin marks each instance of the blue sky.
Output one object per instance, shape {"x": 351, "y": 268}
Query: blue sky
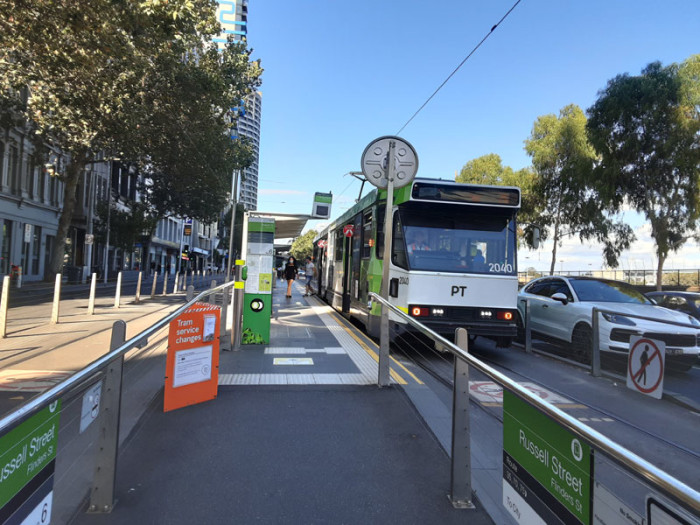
{"x": 340, "y": 74}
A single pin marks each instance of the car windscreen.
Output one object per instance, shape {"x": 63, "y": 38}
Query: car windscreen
{"x": 456, "y": 238}
{"x": 607, "y": 291}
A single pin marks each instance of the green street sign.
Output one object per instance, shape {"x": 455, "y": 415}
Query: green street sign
{"x": 26, "y": 451}
{"x": 546, "y": 469}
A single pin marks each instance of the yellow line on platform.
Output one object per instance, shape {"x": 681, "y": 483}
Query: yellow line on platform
{"x": 399, "y": 379}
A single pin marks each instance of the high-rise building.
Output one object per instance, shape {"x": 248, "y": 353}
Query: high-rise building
{"x": 233, "y": 16}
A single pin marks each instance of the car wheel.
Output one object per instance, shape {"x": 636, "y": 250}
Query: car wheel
{"x": 582, "y": 341}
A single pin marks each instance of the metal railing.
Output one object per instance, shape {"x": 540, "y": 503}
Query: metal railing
{"x": 660, "y": 480}
{"x": 108, "y": 368}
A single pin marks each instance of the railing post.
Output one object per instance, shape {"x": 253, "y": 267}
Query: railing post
{"x": 153, "y": 286}
{"x": 93, "y": 289}
{"x": 56, "y": 299}
{"x": 137, "y": 298}
{"x": 4, "y": 300}
{"x": 528, "y": 331}
{"x": 224, "y": 342}
{"x": 595, "y": 351}
{"x": 461, "y": 484}
{"x": 103, "y": 483}
{"x": 190, "y": 293}
{"x": 383, "y": 376}
{"x": 118, "y": 291}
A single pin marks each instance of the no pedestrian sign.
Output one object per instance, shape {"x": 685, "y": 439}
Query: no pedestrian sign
{"x": 645, "y": 366}
{"x": 348, "y": 230}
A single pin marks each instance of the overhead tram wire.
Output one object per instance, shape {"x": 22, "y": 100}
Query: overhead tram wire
{"x": 459, "y": 66}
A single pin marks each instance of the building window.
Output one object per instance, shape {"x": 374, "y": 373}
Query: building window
{"x": 13, "y": 170}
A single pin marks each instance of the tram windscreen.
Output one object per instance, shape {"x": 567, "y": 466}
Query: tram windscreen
{"x": 454, "y": 238}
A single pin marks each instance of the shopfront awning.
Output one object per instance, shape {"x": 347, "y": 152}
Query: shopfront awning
{"x": 287, "y": 225}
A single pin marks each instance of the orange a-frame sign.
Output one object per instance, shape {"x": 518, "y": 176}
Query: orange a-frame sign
{"x": 192, "y": 365}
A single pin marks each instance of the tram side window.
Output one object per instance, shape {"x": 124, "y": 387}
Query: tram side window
{"x": 339, "y": 245}
{"x": 367, "y": 234}
{"x": 398, "y": 254}
{"x": 379, "y": 249}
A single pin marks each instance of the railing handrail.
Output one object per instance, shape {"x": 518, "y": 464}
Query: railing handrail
{"x": 670, "y": 485}
{"x": 34, "y": 405}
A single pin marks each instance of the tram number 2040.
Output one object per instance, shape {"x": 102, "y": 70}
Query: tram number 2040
{"x": 500, "y": 268}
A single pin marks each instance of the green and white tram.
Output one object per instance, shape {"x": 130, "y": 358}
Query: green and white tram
{"x": 453, "y": 258}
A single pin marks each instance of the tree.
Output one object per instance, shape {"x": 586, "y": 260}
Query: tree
{"x": 488, "y": 169}
{"x": 646, "y": 130}
{"x": 302, "y": 247}
{"x": 140, "y": 80}
{"x": 563, "y": 160}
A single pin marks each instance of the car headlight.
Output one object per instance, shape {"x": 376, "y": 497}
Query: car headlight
{"x": 693, "y": 321}
{"x": 618, "y": 319}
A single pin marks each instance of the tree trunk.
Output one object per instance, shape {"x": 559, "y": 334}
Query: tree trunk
{"x": 70, "y": 183}
{"x": 660, "y": 272}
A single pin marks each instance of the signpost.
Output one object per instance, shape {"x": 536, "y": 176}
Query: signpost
{"x": 645, "y": 366}
{"x": 546, "y": 469}
{"x": 388, "y": 163}
{"x": 27, "y": 465}
{"x": 192, "y": 363}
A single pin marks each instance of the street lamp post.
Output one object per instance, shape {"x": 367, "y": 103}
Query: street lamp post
{"x": 233, "y": 224}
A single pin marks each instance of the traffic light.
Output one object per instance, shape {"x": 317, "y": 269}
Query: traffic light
{"x": 186, "y": 252}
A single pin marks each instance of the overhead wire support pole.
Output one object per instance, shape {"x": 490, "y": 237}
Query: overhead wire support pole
{"x": 234, "y": 204}
{"x": 384, "y": 369}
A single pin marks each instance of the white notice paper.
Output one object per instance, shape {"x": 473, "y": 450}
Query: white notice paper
{"x": 192, "y": 366}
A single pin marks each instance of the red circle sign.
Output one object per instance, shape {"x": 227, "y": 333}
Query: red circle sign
{"x": 645, "y": 352}
{"x": 348, "y": 230}
{"x": 322, "y": 244}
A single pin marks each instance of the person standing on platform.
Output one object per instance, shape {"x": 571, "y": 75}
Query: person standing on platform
{"x": 310, "y": 270}
{"x": 290, "y": 273}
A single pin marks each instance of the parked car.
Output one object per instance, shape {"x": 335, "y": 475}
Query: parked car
{"x": 561, "y": 309}
{"x": 686, "y": 302}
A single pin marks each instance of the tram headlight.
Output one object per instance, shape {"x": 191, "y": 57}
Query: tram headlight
{"x": 437, "y": 312}
{"x": 486, "y": 314}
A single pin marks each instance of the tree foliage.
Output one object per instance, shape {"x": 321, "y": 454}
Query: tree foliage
{"x": 140, "y": 80}
{"x": 646, "y": 130}
{"x": 302, "y": 247}
{"x": 488, "y": 169}
{"x": 563, "y": 160}
{"x": 126, "y": 227}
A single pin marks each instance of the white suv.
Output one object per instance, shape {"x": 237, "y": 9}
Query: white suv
{"x": 561, "y": 308}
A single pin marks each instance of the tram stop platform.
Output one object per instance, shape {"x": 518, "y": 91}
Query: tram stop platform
{"x": 299, "y": 433}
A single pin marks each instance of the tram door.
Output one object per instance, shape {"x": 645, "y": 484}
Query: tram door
{"x": 347, "y": 274}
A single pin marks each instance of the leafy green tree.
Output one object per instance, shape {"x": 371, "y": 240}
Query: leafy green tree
{"x": 488, "y": 169}
{"x": 563, "y": 161}
{"x": 140, "y": 80}
{"x": 126, "y": 227}
{"x": 646, "y": 130}
{"x": 302, "y": 247}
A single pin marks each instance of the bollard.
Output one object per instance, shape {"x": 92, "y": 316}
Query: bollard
{"x": 165, "y": 283}
{"x": 91, "y": 300}
{"x": 56, "y": 299}
{"x": 224, "y": 342}
{"x": 190, "y": 293}
{"x": 4, "y": 299}
{"x": 137, "y": 298}
{"x": 102, "y": 493}
{"x": 212, "y": 285}
{"x": 177, "y": 279}
{"x": 118, "y": 292}
{"x": 153, "y": 286}
{"x": 460, "y": 485}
